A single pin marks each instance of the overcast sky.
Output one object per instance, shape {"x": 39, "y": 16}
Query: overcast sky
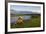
{"x": 25, "y": 8}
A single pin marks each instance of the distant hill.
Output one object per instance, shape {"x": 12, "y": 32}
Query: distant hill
{"x": 23, "y": 12}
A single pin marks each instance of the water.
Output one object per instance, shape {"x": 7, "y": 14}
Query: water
{"x": 14, "y": 19}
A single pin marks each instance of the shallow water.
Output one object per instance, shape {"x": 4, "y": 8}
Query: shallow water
{"x": 14, "y": 19}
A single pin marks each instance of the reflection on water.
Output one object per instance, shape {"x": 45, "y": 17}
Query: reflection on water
{"x": 14, "y": 19}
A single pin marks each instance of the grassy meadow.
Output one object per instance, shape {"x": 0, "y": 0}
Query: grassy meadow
{"x": 34, "y": 21}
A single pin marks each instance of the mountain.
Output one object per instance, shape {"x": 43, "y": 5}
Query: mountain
{"x": 23, "y": 12}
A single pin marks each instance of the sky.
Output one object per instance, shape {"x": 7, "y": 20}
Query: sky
{"x": 25, "y": 8}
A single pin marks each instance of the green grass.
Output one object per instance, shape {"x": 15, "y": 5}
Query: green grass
{"x": 33, "y": 22}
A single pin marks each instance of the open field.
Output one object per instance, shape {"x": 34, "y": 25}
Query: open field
{"x": 34, "y": 21}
